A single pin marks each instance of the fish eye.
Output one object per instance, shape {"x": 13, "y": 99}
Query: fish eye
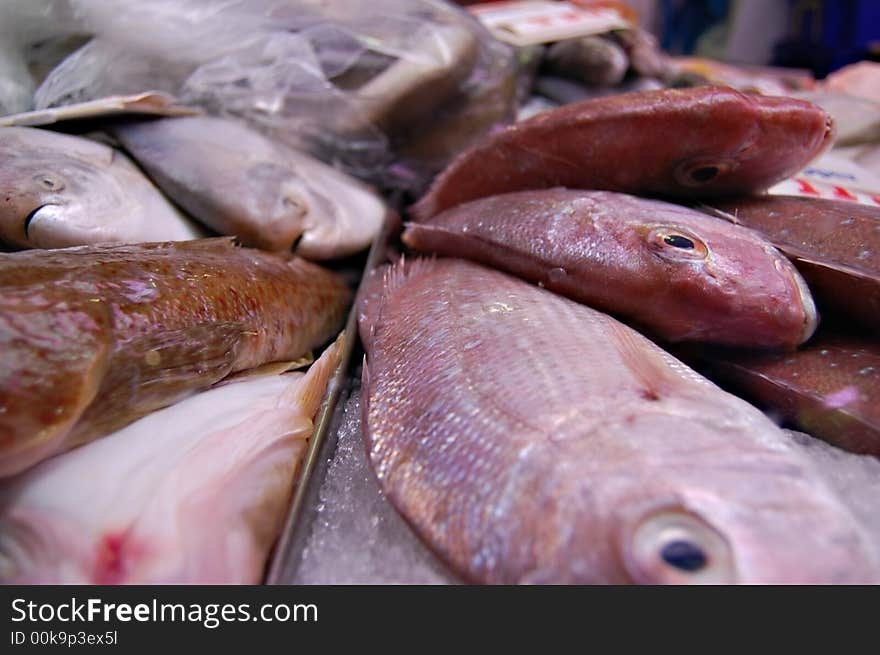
{"x": 677, "y": 244}
{"x": 696, "y": 173}
{"x": 674, "y": 546}
{"x": 678, "y": 241}
{"x": 49, "y": 181}
{"x": 684, "y": 555}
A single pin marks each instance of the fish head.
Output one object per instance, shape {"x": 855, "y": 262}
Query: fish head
{"x": 726, "y": 284}
{"x": 715, "y": 517}
{"x": 741, "y": 139}
{"x": 57, "y": 192}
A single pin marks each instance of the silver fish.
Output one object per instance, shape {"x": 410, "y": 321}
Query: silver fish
{"x": 58, "y": 190}
{"x": 236, "y": 180}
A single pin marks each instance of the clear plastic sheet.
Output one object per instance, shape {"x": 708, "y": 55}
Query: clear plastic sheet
{"x": 389, "y": 90}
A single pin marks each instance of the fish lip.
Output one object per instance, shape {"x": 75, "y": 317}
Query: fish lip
{"x": 811, "y": 314}
{"x": 32, "y": 215}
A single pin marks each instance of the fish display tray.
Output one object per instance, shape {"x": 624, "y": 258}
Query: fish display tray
{"x": 340, "y": 529}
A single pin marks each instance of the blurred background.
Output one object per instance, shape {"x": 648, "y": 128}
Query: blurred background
{"x": 818, "y": 35}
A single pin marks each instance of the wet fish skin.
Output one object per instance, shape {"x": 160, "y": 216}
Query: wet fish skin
{"x": 240, "y": 183}
{"x": 687, "y": 143}
{"x": 195, "y": 493}
{"x": 527, "y": 438}
{"x": 593, "y": 60}
{"x": 95, "y": 337}
{"x": 829, "y": 389}
{"x": 58, "y": 190}
{"x": 835, "y": 244}
{"x": 611, "y": 251}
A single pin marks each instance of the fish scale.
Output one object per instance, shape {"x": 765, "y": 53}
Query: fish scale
{"x": 512, "y": 500}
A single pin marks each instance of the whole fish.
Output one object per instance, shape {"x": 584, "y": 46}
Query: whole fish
{"x": 58, "y": 190}
{"x": 195, "y": 493}
{"x": 93, "y": 338}
{"x": 829, "y": 389}
{"x": 527, "y": 438}
{"x": 688, "y": 143}
{"x": 681, "y": 274}
{"x": 236, "y": 180}
{"x": 834, "y": 243}
{"x": 593, "y": 60}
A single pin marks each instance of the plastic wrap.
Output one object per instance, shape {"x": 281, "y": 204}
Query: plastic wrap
{"x": 352, "y": 82}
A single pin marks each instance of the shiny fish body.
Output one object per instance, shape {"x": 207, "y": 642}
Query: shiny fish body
{"x": 92, "y": 338}
{"x": 240, "y": 183}
{"x": 688, "y": 143}
{"x": 58, "y": 190}
{"x": 829, "y": 389}
{"x": 835, "y": 244}
{"x": 195, "y": 493}
{"x": 529, "y": 439}
{"x": 681, "y": 274}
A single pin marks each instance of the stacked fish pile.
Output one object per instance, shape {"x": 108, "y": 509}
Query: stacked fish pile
{"x": 147, "y": 433}
{"x": 530, "y": 437}
{"x": 522, "y": 409}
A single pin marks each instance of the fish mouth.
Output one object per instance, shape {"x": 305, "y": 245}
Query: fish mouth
{"x": 811, "y": 314}
{"x": 31, "y": 216}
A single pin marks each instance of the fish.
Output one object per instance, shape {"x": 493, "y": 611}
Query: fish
{"x": 834, "y": 243}
{"x": 93, "y": 338}
{"x": 240, "y": 183}
{"x": 830, "y": 388}
{"x": 195, "y": 493}
{"x": 58, "y": 190}
{"x": 592, "y": 60}
{"x": 663, "y": 266}
{"x": 420, "y": 81}
{"x": 683, "y": 143}
{"x": 530, "y": 439}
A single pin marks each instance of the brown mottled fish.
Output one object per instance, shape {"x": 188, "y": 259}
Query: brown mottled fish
{"x": 681, "y": 274}
{"x": 688, "y": 143}
{"x": 530, "y": 439}
{"x": 240, "y": 183}
{"x": 93, "y": 338}
{"x": 58, "y": 190}
{"x": 834, "y": 243}
{"x": 830, "y": 388}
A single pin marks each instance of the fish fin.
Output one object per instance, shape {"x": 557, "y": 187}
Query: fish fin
{"x": 310, "y": 390}
{"x": 718, "y": 213}
{"x": 381, "y": 282}
{"x": 153, "y": 372}
{"x": 646, "y": 361}
{"x": 272, "y": 368}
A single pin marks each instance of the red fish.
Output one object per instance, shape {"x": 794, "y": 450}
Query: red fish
{"x": 835, "y": 244}
{"x": 830, "y": 389}
{"x": 681, "y": 274}
{"x": 687, "y": 143}
{"x": 531, "y": 439}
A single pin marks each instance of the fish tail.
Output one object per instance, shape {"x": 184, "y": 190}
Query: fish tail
{"x": 310, "y": 391}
